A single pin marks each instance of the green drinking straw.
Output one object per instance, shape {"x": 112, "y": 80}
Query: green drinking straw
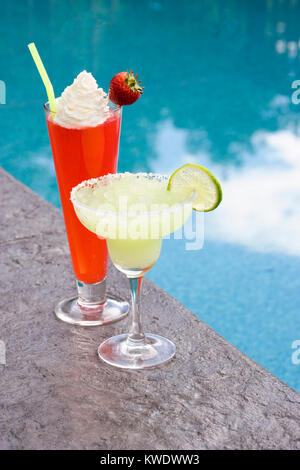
{"x": 44, "y": 77}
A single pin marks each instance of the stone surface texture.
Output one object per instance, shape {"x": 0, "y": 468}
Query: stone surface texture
{"x": 55, "y": 392}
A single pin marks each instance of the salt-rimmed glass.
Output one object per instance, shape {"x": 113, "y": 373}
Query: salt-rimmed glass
{"x": 135, "y": 350}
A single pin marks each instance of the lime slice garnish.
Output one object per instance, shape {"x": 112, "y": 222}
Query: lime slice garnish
{"x": 193, "y": 177}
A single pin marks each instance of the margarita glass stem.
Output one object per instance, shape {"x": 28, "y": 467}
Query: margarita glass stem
{"x": 136, "y": 334}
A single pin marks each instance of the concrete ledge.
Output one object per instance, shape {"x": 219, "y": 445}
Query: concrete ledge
{"x": 56, "y": 394}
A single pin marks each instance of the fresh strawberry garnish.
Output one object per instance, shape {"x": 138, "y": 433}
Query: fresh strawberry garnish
{"x": 125, "y": 88}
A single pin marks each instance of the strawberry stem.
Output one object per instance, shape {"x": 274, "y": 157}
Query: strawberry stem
{"x": 133, "y": 83}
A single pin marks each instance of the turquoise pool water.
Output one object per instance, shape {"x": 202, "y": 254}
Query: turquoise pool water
{"x": 217, "y": 79}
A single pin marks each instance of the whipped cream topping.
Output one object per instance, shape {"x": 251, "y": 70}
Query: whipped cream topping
{"x": 82, "y": 104}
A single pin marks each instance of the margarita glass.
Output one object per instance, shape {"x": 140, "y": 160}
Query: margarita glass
{"x": 80, "y": 153}
{"x": 133, "y": 212}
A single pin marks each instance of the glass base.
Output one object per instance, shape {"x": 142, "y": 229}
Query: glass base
{"x": 118, "y": 351}
{"x": 112, "y": 310}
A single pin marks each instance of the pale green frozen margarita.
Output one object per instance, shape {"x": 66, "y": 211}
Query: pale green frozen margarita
{"x": 133, "y": 212}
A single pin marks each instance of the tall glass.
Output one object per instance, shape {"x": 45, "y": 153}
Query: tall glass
{"x": 133, "y": 256}
{"x": 83, "y": 153}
